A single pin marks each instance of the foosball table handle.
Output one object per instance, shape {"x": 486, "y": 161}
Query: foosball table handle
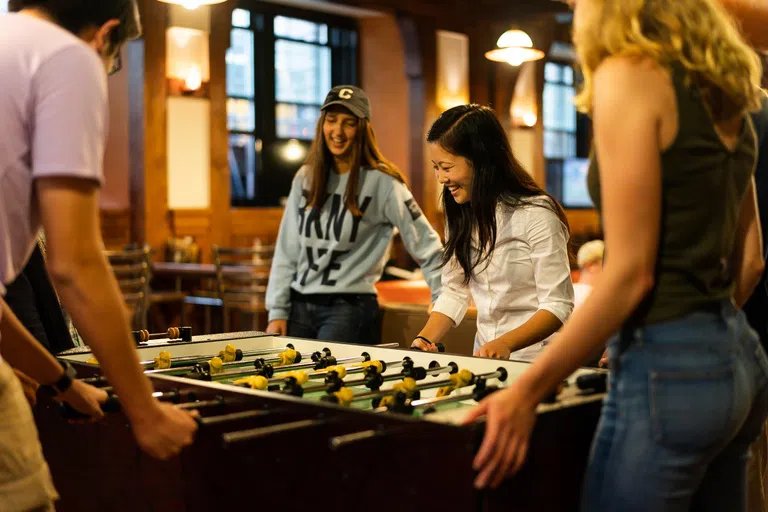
{"x": 596, "y": 382}
{"x": 440, "y": 347}
{"x": 111, "y": 405}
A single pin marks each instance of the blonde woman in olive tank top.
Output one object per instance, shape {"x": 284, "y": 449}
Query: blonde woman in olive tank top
{"x": 669, "y": 85}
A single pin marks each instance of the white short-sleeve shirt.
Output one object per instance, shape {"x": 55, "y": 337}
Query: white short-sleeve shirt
{"x": 53, "y": 118}
{"x": 528, "y": 271}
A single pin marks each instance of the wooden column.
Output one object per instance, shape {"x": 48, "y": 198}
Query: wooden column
{"x": 148, "y": 129}
{"x": 221, "y": 26}
{"x": 419, "y": 39}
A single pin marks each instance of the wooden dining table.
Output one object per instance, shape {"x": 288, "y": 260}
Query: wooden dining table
{"x": 199, "y": 270}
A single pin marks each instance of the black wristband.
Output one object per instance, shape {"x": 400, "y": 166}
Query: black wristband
{"x": 64, "y": 382}
{"x": 420, "y": 337}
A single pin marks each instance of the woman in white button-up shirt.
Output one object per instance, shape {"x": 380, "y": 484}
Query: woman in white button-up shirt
{"x": 506, "y": 244}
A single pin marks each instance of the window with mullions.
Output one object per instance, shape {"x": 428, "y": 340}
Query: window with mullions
{"x": 280, "y": 65}
{"x": 559, "y": 112}
{"x": 566, "y": 137}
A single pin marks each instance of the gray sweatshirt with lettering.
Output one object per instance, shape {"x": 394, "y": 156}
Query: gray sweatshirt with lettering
{"x": 333, "y": 252}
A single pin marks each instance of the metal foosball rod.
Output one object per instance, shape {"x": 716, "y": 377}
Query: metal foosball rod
{"x": 283, "y": 428}
{"x": 294, "y": 383}
{"x": 173, "y": 333}
{"x": 268, "y": 370}
{"x": 286, "y": 357}
{"x": 112, "y": 404}
{"x": 417, "y": 373}
{"x": 404, "y": 405}
{"x": 333, "y": 372}
{"x": 239, "y": 355}
{"x": 411, "y": 389}
{"x": 373, "y": 379}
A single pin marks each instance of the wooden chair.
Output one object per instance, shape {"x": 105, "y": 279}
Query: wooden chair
{"x": 131, "y": 268}
{"x": 241, "y": 280}
{"x": 162, "y": 297}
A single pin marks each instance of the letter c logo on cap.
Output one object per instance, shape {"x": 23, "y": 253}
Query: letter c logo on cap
{"x": 346, "y": 94}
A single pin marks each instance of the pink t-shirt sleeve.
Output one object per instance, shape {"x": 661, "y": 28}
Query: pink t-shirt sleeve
{"x": 70, "y": 116}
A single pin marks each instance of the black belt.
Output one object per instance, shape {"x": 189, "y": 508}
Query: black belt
{"x": 328, "y": 298}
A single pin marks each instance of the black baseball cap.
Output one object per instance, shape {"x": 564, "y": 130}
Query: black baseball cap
{"x": 351, "y": 97}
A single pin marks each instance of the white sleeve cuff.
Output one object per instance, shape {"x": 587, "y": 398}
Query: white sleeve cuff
{"x": 562, "y": 310}
{"x": 452, "y": 307}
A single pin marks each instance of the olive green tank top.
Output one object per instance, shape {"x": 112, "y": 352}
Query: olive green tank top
{"x": 703, "y": 183}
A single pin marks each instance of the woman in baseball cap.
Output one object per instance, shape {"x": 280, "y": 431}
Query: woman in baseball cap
{"x": 338, "y": 224}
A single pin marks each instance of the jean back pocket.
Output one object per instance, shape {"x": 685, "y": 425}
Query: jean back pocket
{"x": 692, "y": 410}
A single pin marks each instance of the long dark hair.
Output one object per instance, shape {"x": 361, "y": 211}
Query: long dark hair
{"x": 474, "y": 133}
{"x": 366, "y": 153}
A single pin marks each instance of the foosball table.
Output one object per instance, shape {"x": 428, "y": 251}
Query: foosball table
{"x": 294, "y": 424}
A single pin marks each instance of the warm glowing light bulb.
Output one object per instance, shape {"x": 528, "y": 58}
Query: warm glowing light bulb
{"x": 293, "y": 151}
{"x": 194, "y": 79}
{"x": 529, "y": 119}
{"x": 191, "y": 4}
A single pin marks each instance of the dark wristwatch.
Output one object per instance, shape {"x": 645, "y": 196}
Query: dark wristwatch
{"x": 64, "y": 382}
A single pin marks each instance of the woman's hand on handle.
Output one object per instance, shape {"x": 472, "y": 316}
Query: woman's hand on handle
{"x": 278, "y": 327}
{"x": 495, "y": 349}
{"x": 509, "y": 422}
{"x": 423, "y": 345}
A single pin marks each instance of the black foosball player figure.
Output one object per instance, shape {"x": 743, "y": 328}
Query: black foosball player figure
{"x": 54, "y": 57}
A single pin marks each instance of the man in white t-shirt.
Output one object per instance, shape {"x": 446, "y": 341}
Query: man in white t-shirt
{"x": 54, "y": 57}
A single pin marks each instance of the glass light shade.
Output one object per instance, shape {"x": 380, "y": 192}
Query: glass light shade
{"x": 193, "y": 4}
{"x": 514, "y": 48}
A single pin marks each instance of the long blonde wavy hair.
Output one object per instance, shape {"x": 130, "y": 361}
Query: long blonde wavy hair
{"x": 699, "y": 34}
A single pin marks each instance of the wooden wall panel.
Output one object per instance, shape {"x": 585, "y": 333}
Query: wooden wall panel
{"x": 196, "y": 223}
{"x": 583, "y": 222}
{"x": 149, "y": 178}
{"x": 221, "y": 24}
{"x": 247, "y": 224}
{"x": 116, "y": 227}
{"x": 752, "y": 16}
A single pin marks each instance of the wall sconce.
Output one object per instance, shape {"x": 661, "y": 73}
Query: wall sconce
{"x": 192, "y": 4}
{"x": 452, "y": 69}
{"x": 187, "y": 62}
{"x": 514, "y": 48}
{"x": 524, "y": 107}
{"x": 524, "y": 117}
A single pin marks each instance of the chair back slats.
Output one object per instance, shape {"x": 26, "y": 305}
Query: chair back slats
{"x": 241, "y": 277}
{"x": 132, "y": 271}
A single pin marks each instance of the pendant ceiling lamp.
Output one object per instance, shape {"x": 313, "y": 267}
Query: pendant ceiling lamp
{"x": 514, "y": 48}
{"x": 192, "y": 4}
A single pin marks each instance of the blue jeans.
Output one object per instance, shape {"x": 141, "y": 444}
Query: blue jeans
{"x": 347, "y": 318}
{"x": 686, "y": 400}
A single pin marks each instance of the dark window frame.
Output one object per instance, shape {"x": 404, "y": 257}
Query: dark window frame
{"x": 345, "y": 69}
{"x": 582, "y": 135}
